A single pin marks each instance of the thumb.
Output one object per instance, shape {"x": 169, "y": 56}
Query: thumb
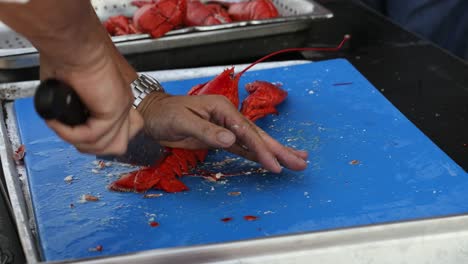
{"x": 211, "y": 134}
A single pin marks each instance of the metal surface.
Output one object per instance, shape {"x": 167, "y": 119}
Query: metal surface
{"x": 289, "y": 10}
{"x": 170, "y": 42}
{"x": 17, "y": 186}
{"x": 11, "y": 251}
{"x": 442, "y": 240}
{"x": 16, "y": 52}
{"x": 219, "y": 252}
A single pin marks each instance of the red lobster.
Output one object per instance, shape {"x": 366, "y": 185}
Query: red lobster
{"x": 159, "y": 17}
{"x": 120, "y": 25}
{"x": 262, "y": 99}
{"x": 252, "y": 10}
{"x": 153, "y": 17}
{"x": 199, "y": 14}
{"x": 261, "y": 102}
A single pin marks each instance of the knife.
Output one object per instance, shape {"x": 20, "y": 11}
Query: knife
{"x": 55, "y": 99}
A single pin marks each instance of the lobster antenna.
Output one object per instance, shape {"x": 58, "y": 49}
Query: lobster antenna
{"x": 337, "y": 48}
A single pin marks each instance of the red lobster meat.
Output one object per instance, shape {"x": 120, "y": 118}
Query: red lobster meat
{"x": 120, "y": 25}
{"x": 153, "y": 17}
{"x": 252, "y": 10}
{"x": 199, "y": 14}
{"x": 262, "y": 101}
{"x": 159, "y": 17}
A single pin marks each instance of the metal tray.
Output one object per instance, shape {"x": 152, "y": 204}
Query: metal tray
{"x": 295, "y": 15}
{"x": 441, "y": 239}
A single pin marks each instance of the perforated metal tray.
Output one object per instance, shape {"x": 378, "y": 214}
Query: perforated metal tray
{"x": 295, "y": 15}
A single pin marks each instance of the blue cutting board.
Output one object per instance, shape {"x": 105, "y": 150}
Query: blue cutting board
{"x": 332, "y": 111}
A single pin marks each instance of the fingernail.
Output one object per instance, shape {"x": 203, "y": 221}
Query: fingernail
{"x": 305, "y": 153}
{"x": 225, "y": 137}
{"x": 279, "y": 166}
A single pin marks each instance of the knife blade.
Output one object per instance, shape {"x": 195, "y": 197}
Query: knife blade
{"x": 55, "y": 99}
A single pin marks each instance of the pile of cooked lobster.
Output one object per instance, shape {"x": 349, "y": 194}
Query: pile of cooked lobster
{"x": 157, "y": 17}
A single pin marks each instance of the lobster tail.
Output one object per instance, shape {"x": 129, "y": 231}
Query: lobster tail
{"x": 162, "y": 176}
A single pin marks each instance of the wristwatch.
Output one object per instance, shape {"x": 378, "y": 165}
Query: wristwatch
{"x": 143, "y": 86}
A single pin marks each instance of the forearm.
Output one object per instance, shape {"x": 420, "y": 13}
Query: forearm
{"x": 57, "y": 28}
{"x": 65, "y": 32}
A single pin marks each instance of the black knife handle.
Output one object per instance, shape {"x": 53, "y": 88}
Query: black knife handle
{"x": 55, "y": 99}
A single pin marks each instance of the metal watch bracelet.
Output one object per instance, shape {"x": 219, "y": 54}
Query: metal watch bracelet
{"x": 143, "y": 86}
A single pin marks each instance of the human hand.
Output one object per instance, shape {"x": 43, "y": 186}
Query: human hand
{"x": 107, "y": 96}
{"x": 75, "y": 48}
{"x": 211, "y": 121}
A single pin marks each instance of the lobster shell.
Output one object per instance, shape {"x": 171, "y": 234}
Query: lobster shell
{"x": 120, "y": 25}
{"x": 262, "y": 99}
{"x": 252, "y": 10}
{"x": 160, "y": 17}
{"x": 199, "y": 14}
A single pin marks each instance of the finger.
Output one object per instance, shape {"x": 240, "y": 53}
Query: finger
{"x": 300, "y": 153}
{"x": 114, "y": 142}
{"x": 242, "y": 151}
{"x": 101, "y": 137}
{"x": 246, "y": 133}
{"x": 187, "y": 143}
{"x": 90, "y": 132}
{"x": 94, "y": 130}
{"x": 287, "y": 157}
{"x": 291, "y": 160}
{"x": 111, "y": 149}
{"x": 283, "y": 158}
{"x": 247, "y": 136}
{"x": 206, "y": 132}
